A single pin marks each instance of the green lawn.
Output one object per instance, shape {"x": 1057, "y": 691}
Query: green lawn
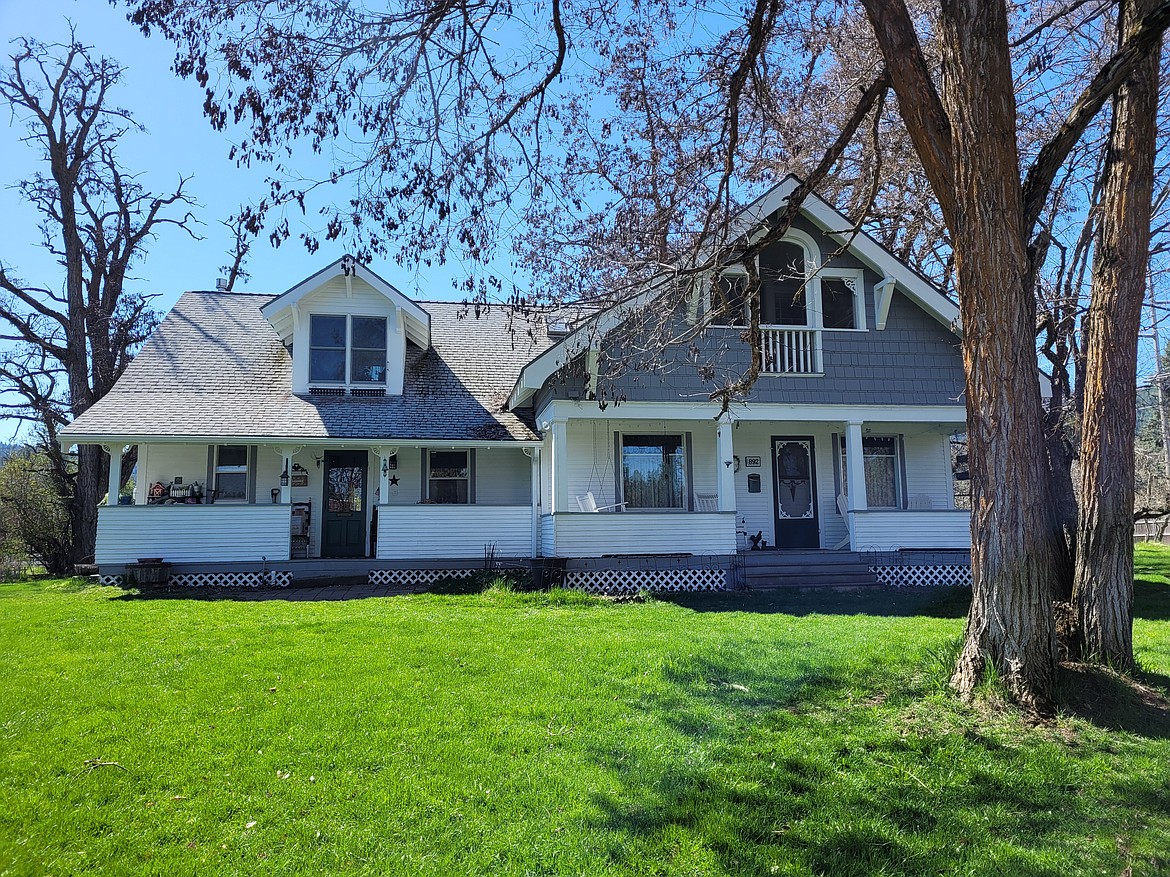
{"x": 554, "y": 734}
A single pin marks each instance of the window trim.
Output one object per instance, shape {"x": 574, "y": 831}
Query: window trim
{"x": 348, "y": 381}
{"x": 426, "y": 474}
{"x": 856, "y": 276}
{"x": 688, "y": 474}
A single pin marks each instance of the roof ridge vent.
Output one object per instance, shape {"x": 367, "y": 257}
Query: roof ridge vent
{"x": 557, "y": 328}
{"x": 221, "y": 284}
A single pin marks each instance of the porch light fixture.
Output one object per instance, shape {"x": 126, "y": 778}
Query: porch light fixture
{"x": 284, "y": 476}
{"x": 385, "y": 466}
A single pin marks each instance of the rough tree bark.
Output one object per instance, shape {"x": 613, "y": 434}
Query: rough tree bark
{"x": 967, "y": 138}
{"x": 1014, "y": 537}
{"x": 1103, "y": 584}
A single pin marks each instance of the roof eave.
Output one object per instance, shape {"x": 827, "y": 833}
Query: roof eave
{"x": 90, "y": 438}
{"x": 417, "y": 322}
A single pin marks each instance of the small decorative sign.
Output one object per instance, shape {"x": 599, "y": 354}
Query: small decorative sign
{"x": 752, "y": 462}
{"x": 300, "y": 479}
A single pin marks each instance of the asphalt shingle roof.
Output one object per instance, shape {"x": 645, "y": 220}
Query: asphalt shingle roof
{"x": 216, "y": 368}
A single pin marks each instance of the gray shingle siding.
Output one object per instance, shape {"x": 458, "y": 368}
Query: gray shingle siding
{"x": 915, "y": 360}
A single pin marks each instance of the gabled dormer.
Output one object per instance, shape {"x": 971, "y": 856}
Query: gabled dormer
{"x": 347, "y": 331}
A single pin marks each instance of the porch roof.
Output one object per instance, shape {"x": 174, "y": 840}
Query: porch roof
{"x": 217, "y": 368}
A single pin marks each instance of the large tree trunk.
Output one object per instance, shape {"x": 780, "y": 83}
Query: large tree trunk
{"x": 89, "y": 484}
{"x": 1103, "y": 587}
{"x": 1015, "y": 546}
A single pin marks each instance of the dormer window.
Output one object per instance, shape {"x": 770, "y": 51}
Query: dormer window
{"x": 367, "y": 361}
{"x": 341, "y": 345}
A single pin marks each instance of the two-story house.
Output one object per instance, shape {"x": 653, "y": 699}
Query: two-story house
{"x": 343, "y": 427}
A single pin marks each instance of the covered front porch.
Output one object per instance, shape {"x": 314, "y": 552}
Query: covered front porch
{"x": 673, "y": 479}
{"x": 228, "y": 502}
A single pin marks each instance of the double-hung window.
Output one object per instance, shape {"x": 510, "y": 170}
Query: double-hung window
{"x": 449, "y": 477}
{"x": 231, "y": 473}
{"x": 729, "y": 299}
{"x": 654, "y": 471}
{"x": 343, "y": 345}
{"x": 883, "y": 474}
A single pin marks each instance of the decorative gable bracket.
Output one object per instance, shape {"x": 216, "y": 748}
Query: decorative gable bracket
{"x": 883, "y": 295}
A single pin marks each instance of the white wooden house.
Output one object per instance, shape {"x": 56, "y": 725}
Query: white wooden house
{"x": 342, "y": 422}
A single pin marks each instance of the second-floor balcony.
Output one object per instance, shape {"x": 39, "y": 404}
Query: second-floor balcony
{"x": 792, "y": 350}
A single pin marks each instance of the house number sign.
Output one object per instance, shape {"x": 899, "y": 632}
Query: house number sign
{"x": 752, "y": 462}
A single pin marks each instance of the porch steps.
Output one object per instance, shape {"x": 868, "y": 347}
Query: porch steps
{"x": 773, "y": 570}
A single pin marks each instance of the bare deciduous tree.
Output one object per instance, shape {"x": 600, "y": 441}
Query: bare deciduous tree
{"x": 67, "y": 344}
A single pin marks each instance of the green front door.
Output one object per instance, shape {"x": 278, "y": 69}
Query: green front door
{"x": 344, "y": 523}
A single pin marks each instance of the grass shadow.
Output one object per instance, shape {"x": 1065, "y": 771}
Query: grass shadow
{"x": 1114, "y": 702}
{"x": 834, "y": 773}
{"x": 1151, "y": 599}
{"x": 883, "y": 602}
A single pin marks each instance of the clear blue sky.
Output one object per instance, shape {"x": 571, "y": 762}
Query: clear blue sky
{"x": 178, "y": 142}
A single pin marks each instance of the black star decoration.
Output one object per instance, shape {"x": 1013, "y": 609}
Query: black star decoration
{"x": 394, "y": 480}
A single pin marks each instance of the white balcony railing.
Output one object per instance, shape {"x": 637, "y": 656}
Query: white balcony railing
{"x": 791, "y": 350}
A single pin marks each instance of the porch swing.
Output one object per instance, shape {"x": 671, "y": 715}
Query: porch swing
{"x": 587, "y": 502}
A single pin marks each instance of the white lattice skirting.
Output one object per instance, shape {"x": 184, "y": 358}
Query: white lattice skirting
{"x": 416, "y": 576}
{"x": 634, "y": 581}
{"x": 925, "y": 576}
{"x": 270, "y": 579}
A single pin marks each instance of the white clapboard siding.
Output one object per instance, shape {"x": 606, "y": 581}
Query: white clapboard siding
{"x": 928, "y": 468}
{"x": 453, "y": 531}
{"x": 890, "y": 529}
{"x": 593, "y": 535}
{"x": 192, "y": 533}
{"x": 548, "y": 541}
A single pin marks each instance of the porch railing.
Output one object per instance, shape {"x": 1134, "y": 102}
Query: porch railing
{"x": 584, "y": 534}
{"x": 791, "y": 350}
{"x": 885, "y": 529}
{"x": 454, "y": 531}
{"x": 192, "y": 533}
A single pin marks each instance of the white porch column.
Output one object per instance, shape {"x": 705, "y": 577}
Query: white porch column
{"x": 534, "y": 454}
{"x": 725, "y": 460}
{"x": 855, "y": 466}
{"x": 141, "y": 482}
{"x": 115, "y": 478}
{"x": 560, "y": 461}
